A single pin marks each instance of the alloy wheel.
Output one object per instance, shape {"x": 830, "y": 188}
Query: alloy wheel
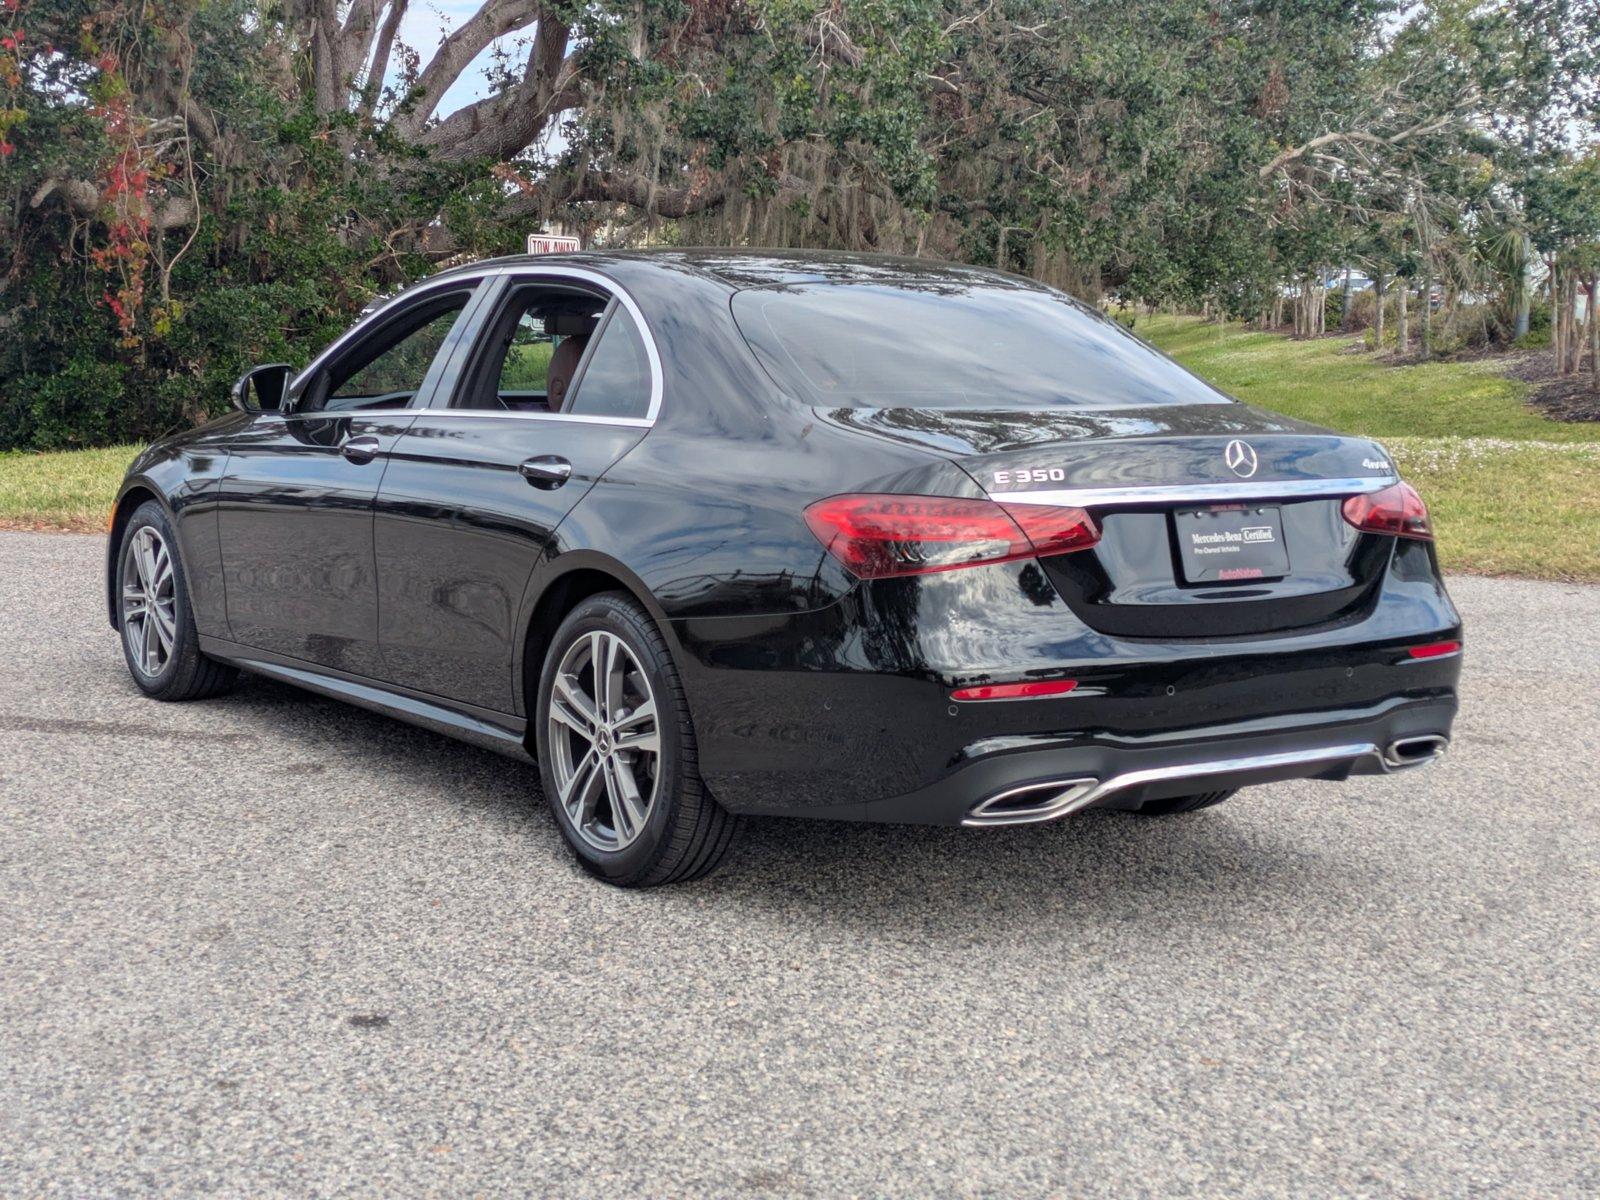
{"x": 149, "y": 601}
{"x": 605, "y": 740}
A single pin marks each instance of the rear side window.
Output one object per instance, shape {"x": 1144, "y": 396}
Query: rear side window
{"x": 950, "y": 345}
{"x": 616, "y": 381}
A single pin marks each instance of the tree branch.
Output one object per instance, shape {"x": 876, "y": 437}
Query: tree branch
{"x": 354, "y": 40}
{"x": 379, "y": 67}
{"x": 501, "y": 126}
{"x": 495, "y": 19}
{"x": 84, "y": 199}
{"x": 1356, "y": 136}
{"x": 636, "y": 191}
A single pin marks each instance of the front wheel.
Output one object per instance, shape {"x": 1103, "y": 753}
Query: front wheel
{"x": 159, "y": 640}
{"x": 617, "y": 753}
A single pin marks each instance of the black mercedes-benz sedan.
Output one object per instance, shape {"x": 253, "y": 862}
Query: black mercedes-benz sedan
{"x": 710, "y": 533}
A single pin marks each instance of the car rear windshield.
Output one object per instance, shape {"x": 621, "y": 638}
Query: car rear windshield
{"x": 954, "y": 345}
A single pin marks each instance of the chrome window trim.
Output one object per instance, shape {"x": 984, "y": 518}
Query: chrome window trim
{"x": 1257, "y": 489}
{"x": 487, "y": 413}
{"x": 476, "y": 279}
{"x": 346, "y": 413}
{"x": 506, "y": 414}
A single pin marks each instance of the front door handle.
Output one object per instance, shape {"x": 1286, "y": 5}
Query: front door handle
{"x": 548, "y": 471}
{"x": 361, "y": 449}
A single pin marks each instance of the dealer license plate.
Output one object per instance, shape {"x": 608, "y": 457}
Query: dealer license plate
{"x": 1229, "y": 542}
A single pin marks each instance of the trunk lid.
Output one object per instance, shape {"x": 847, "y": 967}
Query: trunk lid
{"x": 1217, "y": 520}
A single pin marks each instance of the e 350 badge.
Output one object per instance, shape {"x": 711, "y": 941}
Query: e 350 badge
{"x": 1024, "y": 475}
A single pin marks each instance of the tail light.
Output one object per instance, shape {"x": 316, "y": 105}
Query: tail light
{"x": 881, "y": 536}
{"x": 1397, "y": 510}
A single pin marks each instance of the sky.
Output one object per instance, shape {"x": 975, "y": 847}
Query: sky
{"x": 425, "y": 24}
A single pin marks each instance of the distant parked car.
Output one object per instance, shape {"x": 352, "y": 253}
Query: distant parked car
{"x": 709, "y": 533}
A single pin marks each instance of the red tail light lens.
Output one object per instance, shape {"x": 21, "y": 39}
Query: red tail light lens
{"x": 1397, "y": 510}
{"x": 881, "y": 536}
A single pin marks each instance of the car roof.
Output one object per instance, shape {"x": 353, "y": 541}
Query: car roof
{"x": 739, "y": 269}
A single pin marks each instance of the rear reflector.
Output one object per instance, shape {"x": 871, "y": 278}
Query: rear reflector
{"x": 882, "y": 536}
{"x": 1016, "y": 691}
{"x": 1434, "y": 649}
{"x": 1397, "y": 510}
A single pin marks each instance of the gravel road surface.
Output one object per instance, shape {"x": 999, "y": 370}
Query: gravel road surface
{"x": 271, "y": 945}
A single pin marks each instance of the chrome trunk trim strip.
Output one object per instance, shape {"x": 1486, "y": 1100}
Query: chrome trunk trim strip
{"x": 1254, "y": 489}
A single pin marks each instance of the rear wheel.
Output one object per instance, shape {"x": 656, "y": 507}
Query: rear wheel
{"x": 1182, "y": 804}
{"x": 159, "y": 640}
{"x": 617, "y": 753}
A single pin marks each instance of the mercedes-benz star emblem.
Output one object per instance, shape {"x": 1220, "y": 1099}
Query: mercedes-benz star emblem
{"x": 1241, "y": 458}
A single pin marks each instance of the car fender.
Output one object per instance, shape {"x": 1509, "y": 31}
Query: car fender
{"x": 547, "y": 575}
{"x": 183, "y": 478}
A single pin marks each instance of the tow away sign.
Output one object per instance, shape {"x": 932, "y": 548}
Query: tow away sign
{"x": 552, "y": 243}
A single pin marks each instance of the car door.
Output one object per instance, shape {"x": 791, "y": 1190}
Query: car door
{"x": 560, "y": 383}
{"x": 295, "y": 501}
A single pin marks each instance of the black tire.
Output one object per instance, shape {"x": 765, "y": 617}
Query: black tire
{"x": 1182, "y": 804}
{"x": 184, "y": 673}
{"x": 685, "y": 834}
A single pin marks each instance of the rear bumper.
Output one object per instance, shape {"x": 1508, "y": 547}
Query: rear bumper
{"x": 846, "y": 712}
{"x": 1040, "y": 779}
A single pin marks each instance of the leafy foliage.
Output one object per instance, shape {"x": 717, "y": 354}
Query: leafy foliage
{"x": 192, "y": 186}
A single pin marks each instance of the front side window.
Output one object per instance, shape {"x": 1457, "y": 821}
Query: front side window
{"x": 386, "y": 369}
{"x": 966, "y": 345}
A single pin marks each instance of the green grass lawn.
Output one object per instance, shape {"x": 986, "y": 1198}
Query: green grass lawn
{"x": 1335, "y": 382}
{"x": 72, "y": 490}
{"x": 1511, "y": 492}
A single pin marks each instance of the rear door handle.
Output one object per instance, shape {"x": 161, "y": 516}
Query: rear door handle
{"x": 547, "y": 471}
{"x": 361, "y": 449}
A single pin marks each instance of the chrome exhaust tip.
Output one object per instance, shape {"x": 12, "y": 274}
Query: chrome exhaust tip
{"x": 1414, "y": 751}
{"x": 1032, "y": 803}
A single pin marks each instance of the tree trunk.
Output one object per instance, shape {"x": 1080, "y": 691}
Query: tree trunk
{"x": 1558, "y": 355}
{"x": 1594, "y": 330}
{"x": 1578, "y": 330}
{"x": 1344, "y": 304}
{"x": 1402, "y": 331}
{"x": 1564, "y": 307}
{"x": 1377, "y": 316}
{"x": 1524, "y": 291}
{"x": 1427, "y": 311}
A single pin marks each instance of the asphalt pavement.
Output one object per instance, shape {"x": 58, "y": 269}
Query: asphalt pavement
{"x": 272, "y": 945}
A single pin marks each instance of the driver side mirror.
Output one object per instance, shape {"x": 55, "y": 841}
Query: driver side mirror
{"x": 263, "y": 389}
